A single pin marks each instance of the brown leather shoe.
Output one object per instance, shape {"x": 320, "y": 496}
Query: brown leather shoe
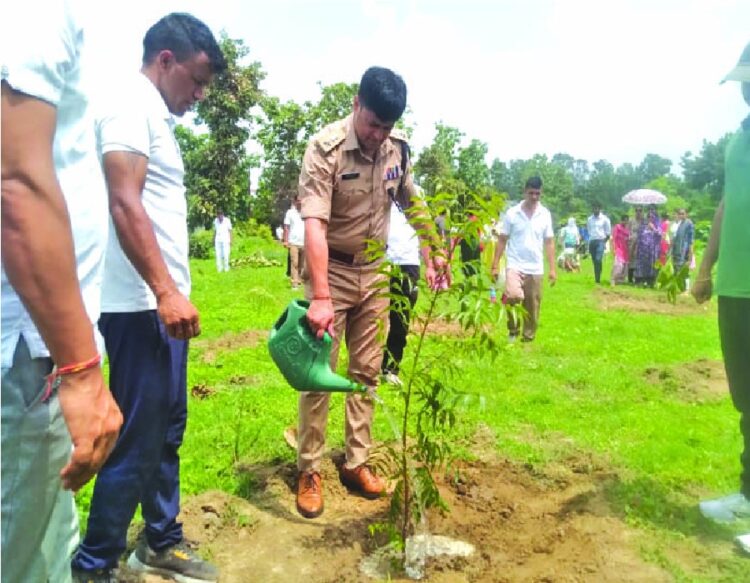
{"x": 363, "y": 480}
{"x": 309, "y": 494}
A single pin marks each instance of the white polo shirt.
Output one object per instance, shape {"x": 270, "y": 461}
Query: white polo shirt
{"x": 525, "y": 247}
{"x": 599, "y": 227}
{"x": 41, "y": 54}
{"x": 403, "y": 243}
{"x": 222, "y": 229}
{"x": 142, "y": 123}
{"x": 296, "y": 225}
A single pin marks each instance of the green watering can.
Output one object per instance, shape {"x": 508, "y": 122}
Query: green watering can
{"x": 302, "y": 358}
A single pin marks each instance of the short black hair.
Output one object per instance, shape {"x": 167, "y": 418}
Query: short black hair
{"x": 185, "y": 36}
{"x": 383, "y": 92}
{"x": 533, "y": 182}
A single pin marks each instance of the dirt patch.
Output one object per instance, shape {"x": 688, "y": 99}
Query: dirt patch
{"x": 698, "y": 381}
{"x": 652, "y": 302}
{"x": 228, "y": 343}
{"x": 527, "y": 526}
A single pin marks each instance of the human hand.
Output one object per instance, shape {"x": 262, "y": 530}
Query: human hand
{"x": 494, "y": 271}
{"x": 442, "y": 270}
{"x": 179, "y": 316}
{"x": 702, "y": 289}
{"x": 93, "y": 419}
{"x": 320, "y": 316}
{"x": 552, "y": 277}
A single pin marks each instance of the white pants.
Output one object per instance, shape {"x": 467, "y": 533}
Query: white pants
{"x": 222, "y": 255}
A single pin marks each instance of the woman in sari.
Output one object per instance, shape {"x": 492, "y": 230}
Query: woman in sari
{"x": 648, "y": 249}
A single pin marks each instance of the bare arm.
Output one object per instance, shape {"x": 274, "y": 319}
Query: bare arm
{"x": 39, "y": 259}
{"x": 126, "y": 175}
{"x": 320, "y": 315}
{"x": 703, "y": 289}
{"x": 285, "y": 236}
{"x": 502, "y": 240}
{"x": 549, "y": 251}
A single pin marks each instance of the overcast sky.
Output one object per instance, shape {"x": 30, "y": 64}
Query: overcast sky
{"x": 595, "y": 79}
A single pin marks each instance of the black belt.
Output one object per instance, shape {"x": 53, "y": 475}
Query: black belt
{"x": 345, "y": 258}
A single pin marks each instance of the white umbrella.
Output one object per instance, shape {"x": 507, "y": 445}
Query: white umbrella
{"x": 644, "y": 196}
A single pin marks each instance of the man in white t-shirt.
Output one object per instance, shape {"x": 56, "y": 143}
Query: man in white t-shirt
{"x": 527, "y": 234}
{"x": 294, "y": 240}
{"x": 403, "y": 250}
{"x": 222, "y": 240}
{"x": 147, "y": 318}
{"x": 54, "y": 233}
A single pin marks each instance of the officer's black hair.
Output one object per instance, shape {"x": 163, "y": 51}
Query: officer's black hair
{"x": 383, "y": 92}
{"x": 185, "y": 36}
{"x": 534, "y": 182}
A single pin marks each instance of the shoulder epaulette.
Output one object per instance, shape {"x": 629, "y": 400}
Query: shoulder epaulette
{"x": 331, "y": 135}
{"x": 398, "y": 134}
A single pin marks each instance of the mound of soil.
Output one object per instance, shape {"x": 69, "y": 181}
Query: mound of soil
{"x": 526, "y": 526}
{"x": 655, "y": 302}
{"x": 210, "y": 348}
{"x": 699, "y": 381}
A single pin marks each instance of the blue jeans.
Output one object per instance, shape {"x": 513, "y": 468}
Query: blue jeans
{"x": 148, "y": 381}
{"x": 39, "y": 520}
{"x": 596, "y": 248}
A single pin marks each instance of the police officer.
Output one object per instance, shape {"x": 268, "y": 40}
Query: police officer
{"x": 352, "y": 172}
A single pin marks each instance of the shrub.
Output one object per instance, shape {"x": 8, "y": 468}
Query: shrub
{"x": 201, "y": 243}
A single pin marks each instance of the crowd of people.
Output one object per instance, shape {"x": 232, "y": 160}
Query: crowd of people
{"x": 72, "y": 288}
{"x": 640, "y": 245}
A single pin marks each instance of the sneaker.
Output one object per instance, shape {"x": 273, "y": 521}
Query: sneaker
{"x": 512, "y": 338}
{"x": 393, "y": 379}
{"x": 726, "y": 509}
{"x": 743, "y": 542}
{"x": 97, "y": 576}
{"x": 179, "y": 562}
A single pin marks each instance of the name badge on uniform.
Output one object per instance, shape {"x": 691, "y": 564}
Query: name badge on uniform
{"x": 393, "y": 173}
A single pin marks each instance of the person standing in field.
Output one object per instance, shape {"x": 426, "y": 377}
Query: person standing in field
{"x": 648, "y": 248}
{"x": 147, "y": 318}
{"x": 620, "y": 244}
{"x": 634, "y": 227}
{"x": 402, "y": 250}
{"x": 222, "y": 240}
{"x": 59, "y": 420}
{"x": 570, "y": 239}
{"x": 352, "y": 171}
{"x": 728, "y": 246}
{"x": 600, "y": 230}
{"x": 294, "y": 241}
{"x": 682, "y": 244}
{"x": 527, "y": 234}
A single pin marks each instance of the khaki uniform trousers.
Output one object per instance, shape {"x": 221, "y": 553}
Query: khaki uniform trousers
{"x": 360, "y": 305}
{"x": 525, "y": 288}
{"x": 297, "y": 259}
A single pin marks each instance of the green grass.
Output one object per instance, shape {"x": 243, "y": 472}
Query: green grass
{"x": 579, "y": 390}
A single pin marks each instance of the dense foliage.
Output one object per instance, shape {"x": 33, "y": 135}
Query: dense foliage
{"x": 237, "y": 112}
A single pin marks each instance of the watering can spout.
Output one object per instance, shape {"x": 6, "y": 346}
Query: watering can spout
{"x": 302, "y": 358}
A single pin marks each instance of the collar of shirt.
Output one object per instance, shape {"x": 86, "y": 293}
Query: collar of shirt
{"x": 154, "y": 101}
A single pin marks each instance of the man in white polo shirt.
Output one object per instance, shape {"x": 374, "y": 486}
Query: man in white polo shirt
{"x": 526, "y": 232}
{"x": 54, "y": 234}
{"x": 147, "y": 318}
{"x": 294, "y": 240}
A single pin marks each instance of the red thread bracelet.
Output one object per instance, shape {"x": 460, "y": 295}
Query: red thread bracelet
{"x": 59, "y": 371}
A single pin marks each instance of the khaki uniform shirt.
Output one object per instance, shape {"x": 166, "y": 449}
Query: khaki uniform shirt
{"x": 349, "y": 191}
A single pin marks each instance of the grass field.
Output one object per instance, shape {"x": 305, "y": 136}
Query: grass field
{"x": 600, "y": 382}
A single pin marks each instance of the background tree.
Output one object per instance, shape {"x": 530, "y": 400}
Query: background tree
{"x": 284, "y": 130}
{"x": 218, "y": 169}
